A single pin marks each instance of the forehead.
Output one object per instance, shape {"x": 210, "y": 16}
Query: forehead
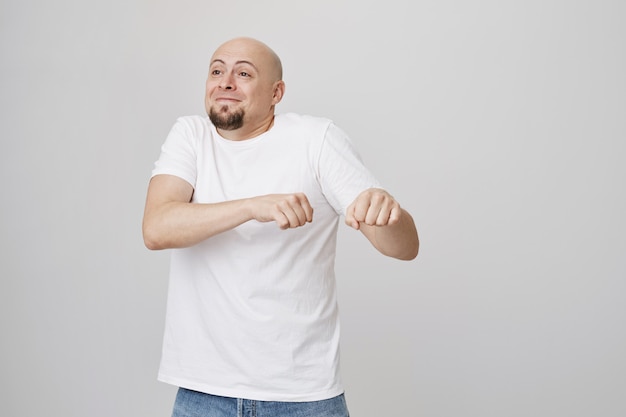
{"x": 239, "y": 52}
{"x": 237, "y": 63}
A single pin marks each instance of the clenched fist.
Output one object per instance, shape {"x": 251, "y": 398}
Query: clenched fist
{"x": 287, "y": 210}
{"x": 374, "y": 207}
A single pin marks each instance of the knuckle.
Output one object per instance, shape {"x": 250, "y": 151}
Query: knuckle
{"x": 282, "y": 204}
{"x": 292, "y": 199}
{"x": 378, "y": 198}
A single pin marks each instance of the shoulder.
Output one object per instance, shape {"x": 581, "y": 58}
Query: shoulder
{"x": 303, "y": 121}
{"x": 192, "y": 129}
{"x": 194, "y": 122}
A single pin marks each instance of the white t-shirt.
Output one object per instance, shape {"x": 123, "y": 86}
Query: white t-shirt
{"x": 252, "y": 312}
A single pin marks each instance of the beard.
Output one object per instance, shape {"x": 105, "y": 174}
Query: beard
{"x": 223, "y": 119}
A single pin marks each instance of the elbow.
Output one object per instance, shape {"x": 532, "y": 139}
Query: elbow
{"x": 410, "y": 253}
{"x": 152, "y": 244}
{"x": 413, "y": 253}
{"x": 152, "y": 239}
{"x": 412, "y": 241}
{"x": 405, "y": 253}
{"x": 415, "y": 249}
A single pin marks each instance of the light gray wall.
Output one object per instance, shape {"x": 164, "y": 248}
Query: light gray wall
{"x": 499, "y": 124}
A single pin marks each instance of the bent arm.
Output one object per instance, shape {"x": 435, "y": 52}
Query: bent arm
{"x": 399, "y": 240}
{"x": 172, "y": 221}
{"x": 389, "y": 228}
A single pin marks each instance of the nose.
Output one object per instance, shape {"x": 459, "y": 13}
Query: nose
{"x": 226, "y": 83}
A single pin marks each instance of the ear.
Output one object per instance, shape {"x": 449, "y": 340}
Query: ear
{"x": 279, "y": 92}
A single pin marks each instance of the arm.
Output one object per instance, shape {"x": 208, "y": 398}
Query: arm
{"x": 386, "y": 225}
{"x": 172, "y": 221}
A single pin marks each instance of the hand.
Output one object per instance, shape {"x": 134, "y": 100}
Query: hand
{"x": 287, "y": 210}
{"x": 374, "y": 207}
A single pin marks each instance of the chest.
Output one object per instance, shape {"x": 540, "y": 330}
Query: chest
{"x": 279, "y": 166}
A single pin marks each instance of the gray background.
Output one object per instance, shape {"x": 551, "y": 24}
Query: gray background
{"x": 499, "y": 124}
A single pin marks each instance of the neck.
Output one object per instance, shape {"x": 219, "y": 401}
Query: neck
{"x": 245, "y": 133}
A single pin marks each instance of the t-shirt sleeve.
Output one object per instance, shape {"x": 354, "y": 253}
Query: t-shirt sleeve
{"x": 343, "y": 175}
{"x": 178, "y": 153}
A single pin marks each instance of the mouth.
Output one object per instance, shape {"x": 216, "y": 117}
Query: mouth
{"x": 226, "y": 100}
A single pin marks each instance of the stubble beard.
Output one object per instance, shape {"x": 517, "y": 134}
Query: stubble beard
{"x": 223, "y": 119}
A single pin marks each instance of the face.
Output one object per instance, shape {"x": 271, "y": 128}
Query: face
{"x": 243, "y": 85}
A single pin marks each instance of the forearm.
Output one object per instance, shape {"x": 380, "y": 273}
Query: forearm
{"x": 172, "y": 221}
{"x": 398, "y": 240}
{"x": 178, "y": 224}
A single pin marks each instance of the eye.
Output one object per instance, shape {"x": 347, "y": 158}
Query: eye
{"x": 244, "y": 74}
{"x": 216, "y": 72}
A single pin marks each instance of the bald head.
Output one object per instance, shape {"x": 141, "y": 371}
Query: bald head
{"x": 259, "y": 54}
{"x": 243, "y": 87}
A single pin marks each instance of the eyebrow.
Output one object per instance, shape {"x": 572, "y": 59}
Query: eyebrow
{"x": 236, "y": 63}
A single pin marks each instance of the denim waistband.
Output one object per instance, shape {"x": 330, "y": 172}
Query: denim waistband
{"x": 197, "y": 404}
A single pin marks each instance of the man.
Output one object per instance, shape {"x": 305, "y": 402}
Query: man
{"x": 250, "y": 200}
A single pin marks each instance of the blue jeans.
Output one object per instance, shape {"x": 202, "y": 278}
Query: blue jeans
{"x": 196, "y": 404}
